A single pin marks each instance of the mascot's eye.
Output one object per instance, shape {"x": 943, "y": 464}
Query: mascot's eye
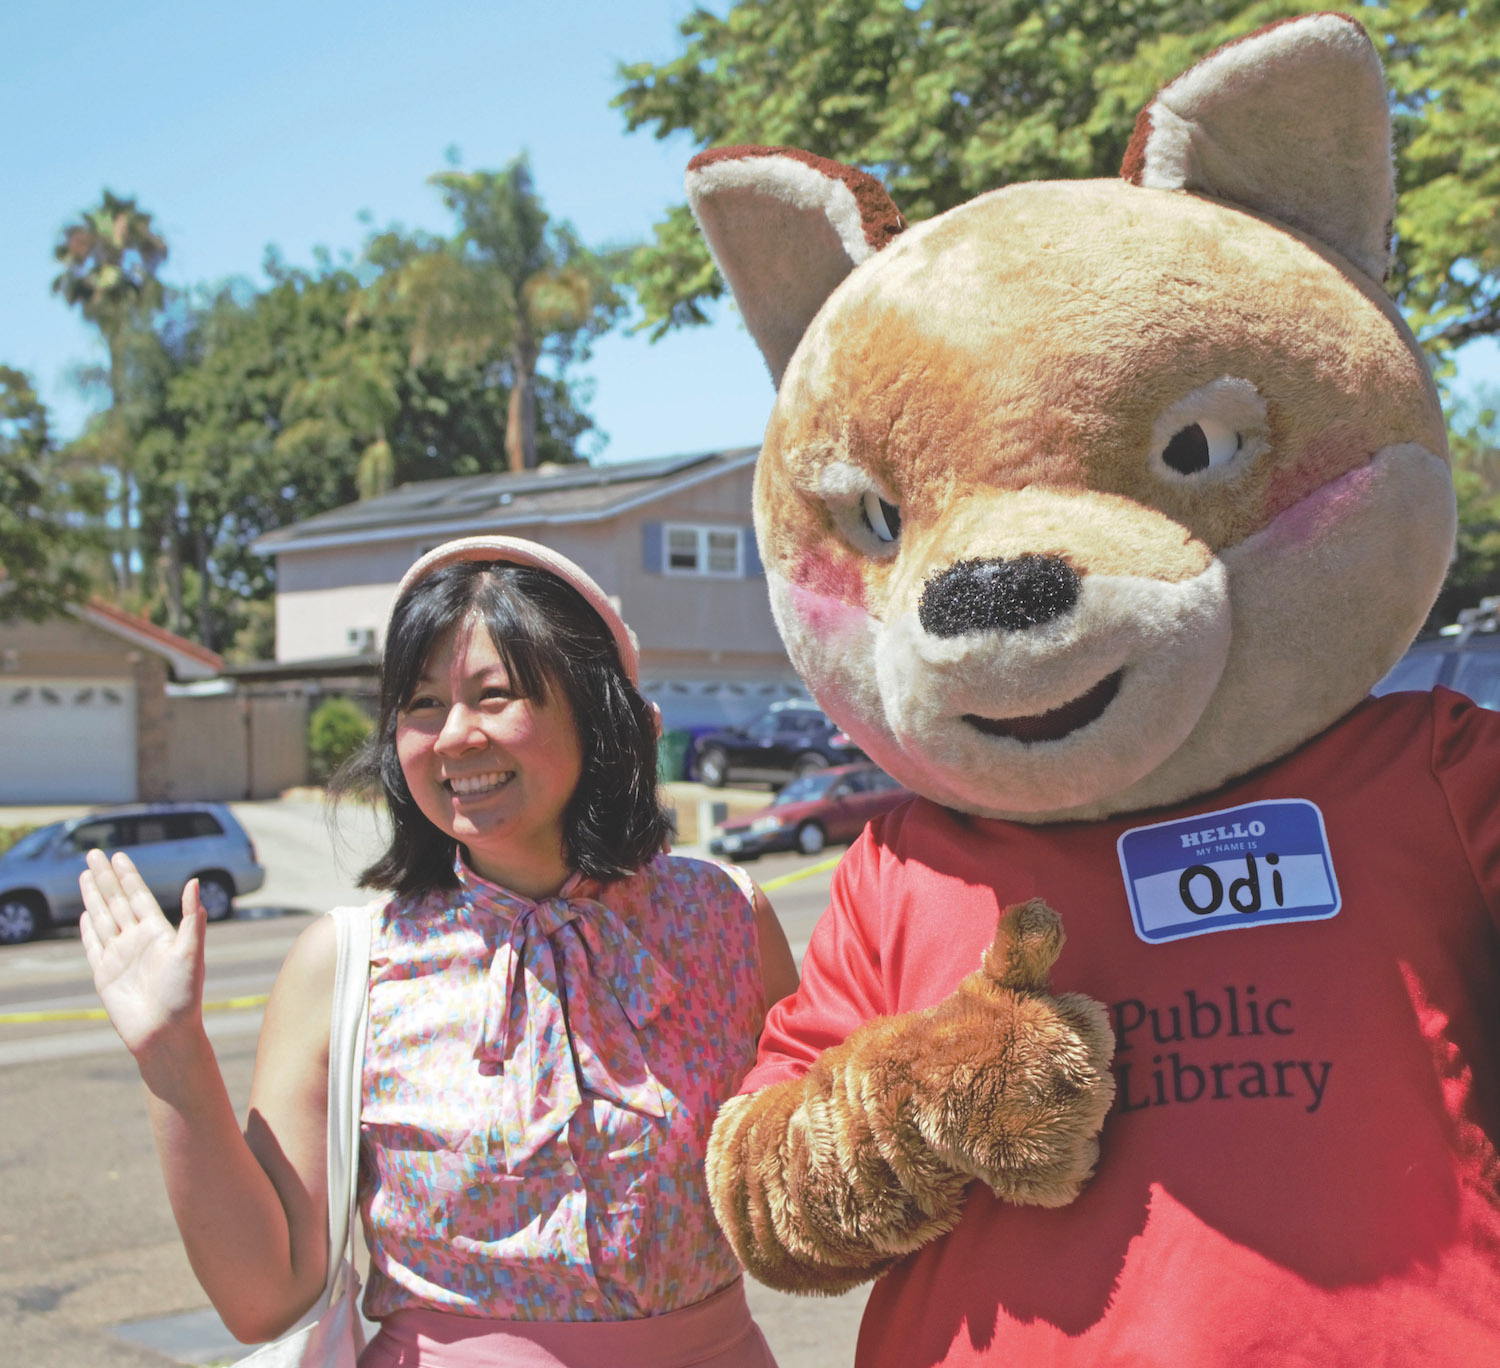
{"x": 1217, "y": 430}
{"x": 870, "y": 523}
{"x": 1201, "y": 445}
{"x": 883, "y": 519}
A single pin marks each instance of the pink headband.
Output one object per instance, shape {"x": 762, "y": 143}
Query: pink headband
{"x": 516, "y": 551}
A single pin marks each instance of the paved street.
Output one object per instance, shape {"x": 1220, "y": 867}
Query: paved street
{"x": 91, "y": 1271}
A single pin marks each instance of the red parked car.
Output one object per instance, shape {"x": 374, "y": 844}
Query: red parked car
{"x": 829, "y": 805}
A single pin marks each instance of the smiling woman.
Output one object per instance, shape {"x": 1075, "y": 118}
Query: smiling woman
{"x": 509, "y": 724}
{"x": 556, "y": 1010}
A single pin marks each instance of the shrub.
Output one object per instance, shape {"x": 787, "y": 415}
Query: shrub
{"x": 335, "y": 730}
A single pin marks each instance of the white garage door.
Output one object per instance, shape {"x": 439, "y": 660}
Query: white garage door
{"x": 67, "y": 740}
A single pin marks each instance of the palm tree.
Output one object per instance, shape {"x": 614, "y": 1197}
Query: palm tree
{"x": 510, "y": 285}
{"x": 110, "y": 258}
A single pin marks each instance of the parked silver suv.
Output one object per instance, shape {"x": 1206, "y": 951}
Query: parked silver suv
{"x": 169, "y": 842}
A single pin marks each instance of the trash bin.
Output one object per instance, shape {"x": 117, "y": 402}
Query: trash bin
{"x": 671, "y": 756}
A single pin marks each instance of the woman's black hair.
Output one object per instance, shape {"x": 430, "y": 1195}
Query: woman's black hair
{"x": 553, "y": 644}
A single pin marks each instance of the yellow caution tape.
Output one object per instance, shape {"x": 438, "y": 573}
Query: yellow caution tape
{"x": 259, "y": 999}
{"x": 99, "y": 1014}
{"x": 782, "y": 880}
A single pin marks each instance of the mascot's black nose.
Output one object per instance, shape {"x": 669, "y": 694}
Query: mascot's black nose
{"x": 997, "y": 595}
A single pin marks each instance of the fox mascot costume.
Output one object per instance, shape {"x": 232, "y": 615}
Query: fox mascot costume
{"x": 1092, "y": 511}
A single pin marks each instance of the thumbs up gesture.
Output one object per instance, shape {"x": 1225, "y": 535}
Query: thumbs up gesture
{"x": 823, "y": 1181}
{"x": 1003, "y": 1080}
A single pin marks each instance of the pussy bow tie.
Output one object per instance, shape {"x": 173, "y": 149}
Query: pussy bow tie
{"x": 568, "y": 990}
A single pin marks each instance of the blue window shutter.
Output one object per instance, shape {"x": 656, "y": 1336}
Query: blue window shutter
{"x": 651, "y": 559}
{"x": 753, "y": 568}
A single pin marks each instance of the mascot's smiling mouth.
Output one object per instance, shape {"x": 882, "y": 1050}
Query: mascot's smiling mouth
{"x": 1057, "y": 723}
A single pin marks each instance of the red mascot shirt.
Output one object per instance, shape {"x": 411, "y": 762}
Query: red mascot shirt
{"x": 1300, "y": 1166}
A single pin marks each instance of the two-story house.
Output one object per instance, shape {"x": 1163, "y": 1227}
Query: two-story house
{"x": 669, "y": 539}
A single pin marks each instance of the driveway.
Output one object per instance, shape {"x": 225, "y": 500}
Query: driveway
{"x": 312, "y": 857}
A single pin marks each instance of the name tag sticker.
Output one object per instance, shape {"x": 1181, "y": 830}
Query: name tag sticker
{"x": 1255, "y": 865}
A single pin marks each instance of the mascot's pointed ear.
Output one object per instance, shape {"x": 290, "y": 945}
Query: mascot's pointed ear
{"x": 1290, "y": 122}
{"x": 785, "y": 227}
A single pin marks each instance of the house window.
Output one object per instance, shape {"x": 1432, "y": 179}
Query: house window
{"x": 692, "y": 550}
{"x": 361, "y": 640}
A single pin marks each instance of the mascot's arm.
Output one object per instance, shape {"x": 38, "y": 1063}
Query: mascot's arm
{"x": 823, "y": 1181}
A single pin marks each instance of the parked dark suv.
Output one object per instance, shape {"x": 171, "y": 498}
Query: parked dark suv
{"x": 788, "y": 740}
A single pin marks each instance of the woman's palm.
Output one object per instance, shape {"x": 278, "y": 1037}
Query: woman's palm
{"x": 148, "y": 974}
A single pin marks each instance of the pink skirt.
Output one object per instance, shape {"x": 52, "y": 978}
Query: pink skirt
{"x": 715, "y": 1333}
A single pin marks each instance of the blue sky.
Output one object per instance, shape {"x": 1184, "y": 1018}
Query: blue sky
{"x": 243, "y": 125}
{"x": 240, "y": 126}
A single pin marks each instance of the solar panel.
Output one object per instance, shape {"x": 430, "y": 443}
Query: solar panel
{"x": 469, "y": 495}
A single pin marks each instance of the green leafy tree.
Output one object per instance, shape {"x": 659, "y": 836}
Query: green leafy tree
{"x": 944, "y": 99}
{"x": 354, "y": 394}
{"x": 43, "y": 543}
{"x": 233, "y": 455}
{"x": 511, "y": 287}
{"x": 1444, "y": 66}
{"x": 285, "y": 402}
{"x": 109, "y": 258}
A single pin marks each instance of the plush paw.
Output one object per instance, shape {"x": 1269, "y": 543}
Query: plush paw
{"x": 1004, "y": 1081}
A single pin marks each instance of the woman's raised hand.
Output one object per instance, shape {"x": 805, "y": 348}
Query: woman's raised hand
{"x": 148, "y": 973}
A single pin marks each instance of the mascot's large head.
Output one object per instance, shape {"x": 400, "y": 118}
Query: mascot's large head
{"x": 1089, "y": 496}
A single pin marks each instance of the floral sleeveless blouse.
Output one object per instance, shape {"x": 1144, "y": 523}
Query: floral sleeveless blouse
{"x": 540, "y": 1080}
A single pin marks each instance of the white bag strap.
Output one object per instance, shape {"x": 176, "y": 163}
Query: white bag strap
{"x": 346, "y": 1053}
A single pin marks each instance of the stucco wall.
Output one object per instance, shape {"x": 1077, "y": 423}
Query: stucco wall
{"x": 324, "y": 594}
{"x": 374, "y": 565}
{"x": 64, "y": 646}
{"x": 315, "y": 623}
